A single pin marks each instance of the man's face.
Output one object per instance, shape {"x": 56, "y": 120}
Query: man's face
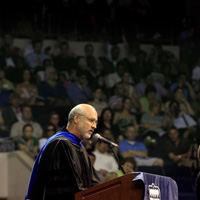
{"x": 28, "y": 132}
{"x": 173, "y": 135}
{"x": 82, "y": 80}
{"x": 103, "y": 147}
{"x": 55, "y": 119}
{"x": 128, "y": 167}
{"x": 87, "y": 123}
{"x": 131, "y": 133}
{"x": 120, "y": 90}
{"x": 27, "y": 113}
{"x": 38, "y": 48}
{"x": 15, "y": 102}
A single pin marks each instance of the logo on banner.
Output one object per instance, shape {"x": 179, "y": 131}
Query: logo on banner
{"x": 154, "y": 192}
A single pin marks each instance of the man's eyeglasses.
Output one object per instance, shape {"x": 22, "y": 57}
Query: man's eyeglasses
{"x": 92, "y": 120}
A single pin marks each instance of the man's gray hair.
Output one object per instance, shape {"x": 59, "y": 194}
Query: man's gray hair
{"x": 79, "y": 109}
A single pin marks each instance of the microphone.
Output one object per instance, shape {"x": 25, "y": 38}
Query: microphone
{"x": 97, "y": 137}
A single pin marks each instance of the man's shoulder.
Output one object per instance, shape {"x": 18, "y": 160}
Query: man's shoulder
{"x": 18, "y": 123}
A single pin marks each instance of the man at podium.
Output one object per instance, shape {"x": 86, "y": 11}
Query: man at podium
{"x": 63, "y": 167}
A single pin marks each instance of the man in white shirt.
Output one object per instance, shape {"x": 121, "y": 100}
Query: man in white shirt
{"x": 17, "y": 127}
{"x": 104, "y": 161}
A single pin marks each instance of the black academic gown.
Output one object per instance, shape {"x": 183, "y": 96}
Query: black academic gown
{"x": 64, "y": 169}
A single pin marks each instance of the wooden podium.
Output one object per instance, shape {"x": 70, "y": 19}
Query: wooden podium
{"x": 122, "y": 188}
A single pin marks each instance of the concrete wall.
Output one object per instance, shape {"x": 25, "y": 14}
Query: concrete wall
{"x": 15, "y": 174}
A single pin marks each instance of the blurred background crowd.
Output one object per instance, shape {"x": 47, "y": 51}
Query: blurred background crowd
{"x": 147, "y": 103}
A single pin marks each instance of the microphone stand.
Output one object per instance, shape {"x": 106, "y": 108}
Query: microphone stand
{"x": 116, "y": 158}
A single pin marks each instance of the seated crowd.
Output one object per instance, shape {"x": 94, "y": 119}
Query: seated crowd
{"x": 154, "y": 120}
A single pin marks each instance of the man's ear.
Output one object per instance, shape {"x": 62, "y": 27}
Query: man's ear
{"x": 76, "y": 118}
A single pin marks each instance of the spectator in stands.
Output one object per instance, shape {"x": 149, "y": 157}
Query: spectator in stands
{"x": 104, "y": 162}
{"x": 26, "y": 89}
{"x": 4, "y": 96}
{"x": 185, "y": 107}
{"x": 92, "y": 159}
{"x": 115, "y": 101}
{"x": 183, "y": 122}
{"x": 82, "y": 60}
{"x": 36, "y": 58}
{"x": 17, "y": 128}
{"x": 107, "y": 133}
{"x": 16, "y": 73}
{"x": 106, "y": 122}
{"x": 49, "y": 131}
{"x": 12, "y": 113}
{"x": 51, "y": 90}
{"x": 56, "y": 51}
{"x": 115, "y": 77}
{"x": 169, "y": 73}
{"x": 177, "y": 149}
{"x": 27, "y": 142}
{"x": 138, "y": 68}
{"x": 196, "y": 71}
{"x": 100, "y": 83}
{"x": 97, "y": 101}
{"x": 148, "y": 80}
{"x": 7, "y": 59}
{"x": 79, "y": 91}
{"x": 129, "y": 165}
{"x": 130, "y": 91}
{"x": 8, "y": 42}
{"x": 7, "y": 84}
{"x": 64, "y": 62}
{"x": 110, "y": 62}
{"x": 154, "y": 123}
{"x": 94, "y": 69}
{"x": 158, "y": 56}
{"x": 183, "y": 82}
{"x": 130, "y": 147}
{"x": 54, "y": 118}
{"x": 125, "y": 117}
{"x": 149, "y": 96}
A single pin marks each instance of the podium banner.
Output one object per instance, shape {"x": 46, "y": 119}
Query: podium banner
{"x": 157, "y": 187}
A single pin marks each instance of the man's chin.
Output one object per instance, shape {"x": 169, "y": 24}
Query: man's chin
{"x": 87, "y": 136}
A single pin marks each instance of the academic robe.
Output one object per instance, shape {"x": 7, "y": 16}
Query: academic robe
{"x": 61, "y": 169}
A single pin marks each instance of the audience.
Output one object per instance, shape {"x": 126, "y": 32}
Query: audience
{"x": 130, "y": 147}
{"x": 54, "y": 118}
{"x": 185, "y": 107}
{"x": 26, "y": 89}
{"x": 148, "y": 80}
{"x": 97, "y": 101}
{"x": 178, "y": 149}
{"x": 53, "y": 92}
{"x": 125, "y": 117}
{"x": 115, "y": 87}
{"x": 17, "y": 128}
{"x": 49, "y": 131}
{"x": 183, "y": 122}
{"x": 149, "y": 96}
{"x": 154, "y": 123}
{"x": 12, "y": 113}
{"x": 106, "y": 122}
{"x": 104, "y": 162}
{"x": 27, "y": 142}
{"x": 4, "y": 96}
{"x": 79, "y": 91}
{"x": 115, "y": 100}
{"x": 35, "y": 59}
